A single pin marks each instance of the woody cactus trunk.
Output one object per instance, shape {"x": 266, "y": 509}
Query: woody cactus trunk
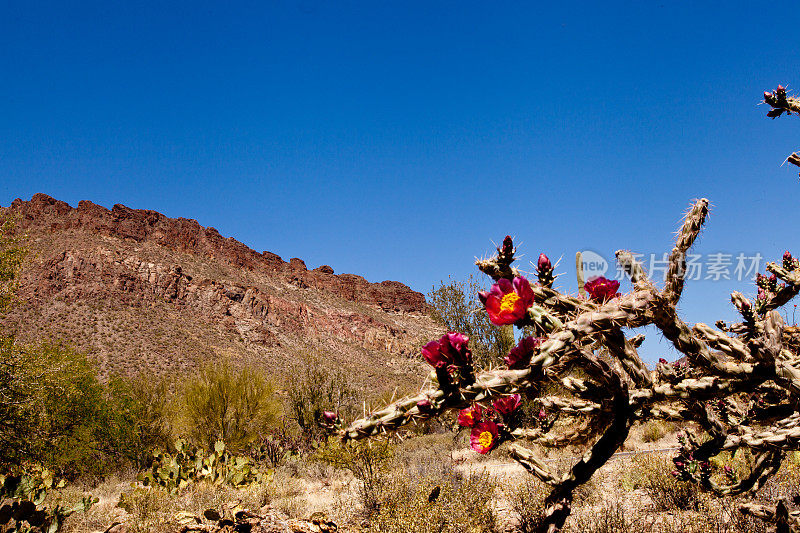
{"x": 738, "y": 382}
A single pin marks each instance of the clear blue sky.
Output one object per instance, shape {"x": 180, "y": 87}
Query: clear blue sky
{"x": 397, "y": 140}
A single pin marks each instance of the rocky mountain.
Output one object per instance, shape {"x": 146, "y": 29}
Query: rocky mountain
{"x": 140, "y": 292}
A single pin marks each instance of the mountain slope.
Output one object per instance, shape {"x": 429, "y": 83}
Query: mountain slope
{"x": 143, "y": 292}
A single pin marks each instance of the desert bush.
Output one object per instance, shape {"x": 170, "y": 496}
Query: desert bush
{"x": 445, "y": 505}
{"x": 234, "y": 405}
{"x": 527, "y": 503}
{"x": 653, "y": 430}
{"x": 652, "y": 473}
{"x": 156, "y": 511}
{"x": 609, "y": 517}
{"x": 12, "y": 254}
{"x": 427, "y": 455}
{"x": 316, "y": 389}
{"x": 51, "y": 409}
{"x": 369, "y": 462}
{"x": 135, "y": 419}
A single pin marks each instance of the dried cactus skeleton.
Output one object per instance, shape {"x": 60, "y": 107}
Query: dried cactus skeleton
{"x": 738, "y": 382}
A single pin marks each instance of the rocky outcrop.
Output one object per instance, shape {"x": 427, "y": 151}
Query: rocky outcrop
{"x": 188, "y": 236}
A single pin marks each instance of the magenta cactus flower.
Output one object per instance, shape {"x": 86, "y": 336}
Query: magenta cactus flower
{"x": 520, "y": 356}
{"x": 507, "y": 302}
{"x": 507, "y": 404}
{"x": 484, "y": 436}
{"x": 450, "y": 350}
{"x": 602, "y": 289}
{"x": 470, "y": 416}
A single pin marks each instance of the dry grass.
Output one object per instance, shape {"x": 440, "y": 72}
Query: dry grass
{"x": 636, "y": 494}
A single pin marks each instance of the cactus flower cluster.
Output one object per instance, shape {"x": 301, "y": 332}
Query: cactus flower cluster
{"x": 450, "y": 351}
{"x": 489, "y": 425}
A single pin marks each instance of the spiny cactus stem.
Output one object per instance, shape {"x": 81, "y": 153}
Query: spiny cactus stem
{"x": 692, "y": 224}
{"x": 626, "y": 352}
{"x": 779, "y": 515}
{"x": 579, "y": 274}
{"x": 635, "y": 270}
{"x": 496, "y": 269}
{"x": 730, "y": 346}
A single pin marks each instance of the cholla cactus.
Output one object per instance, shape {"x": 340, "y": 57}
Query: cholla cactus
{"x": 738, "y": 382}
{"x": 781, "y": 102}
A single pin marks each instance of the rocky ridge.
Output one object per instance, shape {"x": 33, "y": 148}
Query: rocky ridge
{"x": 168, "y": 293}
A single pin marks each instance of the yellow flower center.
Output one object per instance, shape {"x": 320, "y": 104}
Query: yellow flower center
{"x": 485, "y": 439}
{"x": 508, "y": 301}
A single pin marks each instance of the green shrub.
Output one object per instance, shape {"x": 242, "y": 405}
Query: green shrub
{"x": 51, "y": 404}
{"x": 135, "y": 419}
{"x": 12, "y": 253}
{"x": 652, "y": 473}
{"x": 457, "y": 307}
{"x": 315, "y": 390}
{"x": 653, "y": 430}
{"x": 234, "y": 405}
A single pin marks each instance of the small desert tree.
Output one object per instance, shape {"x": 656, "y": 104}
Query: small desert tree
{"x": 234, "y": 405}
{"x": 458, "y": 307}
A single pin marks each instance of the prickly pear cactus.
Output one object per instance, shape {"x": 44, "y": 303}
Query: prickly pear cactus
{"x": 738, "y": 382}
{"x": 190, "y": 464}
{"x": 21, "y": 502}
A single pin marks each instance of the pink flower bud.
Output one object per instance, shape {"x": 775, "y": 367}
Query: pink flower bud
{"x": 424, "y": 406}
{"x": 542, "y": 414}
{"x": 544, "y": 263}
{"x": 767, "y": 95}
{"x": 508, "y": 246}
{"x": 330, "y": 417}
